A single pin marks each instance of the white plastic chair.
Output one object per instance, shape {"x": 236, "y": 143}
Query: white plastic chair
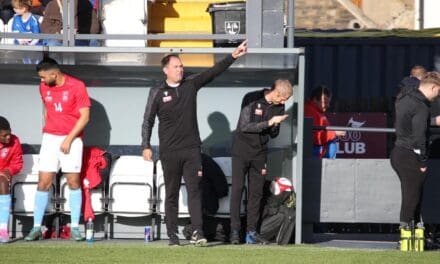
{"x": 24, "y": 188}
{"x": 131, "y": 188}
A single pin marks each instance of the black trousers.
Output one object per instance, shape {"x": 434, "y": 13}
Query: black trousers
{"x": 186, "y": 163}
{"x": 407, "y": 167}
{"x": 256, "y": 171}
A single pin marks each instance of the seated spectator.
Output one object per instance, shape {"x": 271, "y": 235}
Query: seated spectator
{"x": 11, "y": 163}
{"x": 324, "y": 141}
{"x": 37, "y": 8}
{"x": 6, "y": 11}
{"x": 86, "y": 21}
{"x": 24, "y": 22}
{"x": 52, "y": 22}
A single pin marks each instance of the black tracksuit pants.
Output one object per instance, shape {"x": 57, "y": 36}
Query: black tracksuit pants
{"x": 186, "y": 163}
{"x": 256, "y": 171}
{"x": 407, "y": 167}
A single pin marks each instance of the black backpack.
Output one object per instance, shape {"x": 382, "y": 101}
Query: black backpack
{"x": 278, "y": 218}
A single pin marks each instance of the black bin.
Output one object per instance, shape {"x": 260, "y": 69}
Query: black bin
{"x": 228, "y": 18}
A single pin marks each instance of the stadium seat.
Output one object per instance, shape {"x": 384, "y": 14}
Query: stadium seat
{"x": 131, "y": 187}
{"x": 225, "y": 163}
{"x": 24, "y": 188}
{"x": 8, "y": 29}
{"x": 97, "y": 196}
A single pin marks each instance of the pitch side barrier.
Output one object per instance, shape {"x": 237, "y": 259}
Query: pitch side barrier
{"x": 358, "y": 190}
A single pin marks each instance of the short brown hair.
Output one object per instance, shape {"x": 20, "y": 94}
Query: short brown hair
{"x": 431, "y": 77}
{"x": 165, "y": 60}
{"x": 22, "y": 3}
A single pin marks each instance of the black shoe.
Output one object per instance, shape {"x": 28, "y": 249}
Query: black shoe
{"x": 235, "y": 237}
{"x": 174, "y": 240}
{"x": 198, "y": 239}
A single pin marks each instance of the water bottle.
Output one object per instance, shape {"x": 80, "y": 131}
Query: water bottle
{"x": 419, "y": 235}
{"x": 405, "y": 239}
{"x": 89, "y": 231}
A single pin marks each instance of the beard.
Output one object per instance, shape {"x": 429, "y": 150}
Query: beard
{"x": 51, "y": 83}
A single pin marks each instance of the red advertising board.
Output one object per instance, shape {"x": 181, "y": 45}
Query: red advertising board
{"x": 358, "y": 145}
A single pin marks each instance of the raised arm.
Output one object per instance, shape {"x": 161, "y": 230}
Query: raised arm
{"x": 207, "y": 76}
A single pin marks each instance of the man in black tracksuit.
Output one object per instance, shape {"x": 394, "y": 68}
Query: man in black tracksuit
{"x": 261, "y": 113}
{"x": 410, "y": 154}
{"x": 174, "y": 103}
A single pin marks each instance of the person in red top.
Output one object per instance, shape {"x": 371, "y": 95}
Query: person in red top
{"x": 11, "y": 162}
{"x": 324, "y": 141}
{"x": 67, "y": 111}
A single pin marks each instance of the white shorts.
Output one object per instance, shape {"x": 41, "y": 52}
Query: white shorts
{"x": 52, "y": 159}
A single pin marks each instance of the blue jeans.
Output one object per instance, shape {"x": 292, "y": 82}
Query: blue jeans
{"x": 52, "y": 42}
{"x": 330, "y": 152}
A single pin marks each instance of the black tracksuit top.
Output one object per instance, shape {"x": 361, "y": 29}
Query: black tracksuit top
{"x": 412, "y": 123}
{"x": 253, "y": 131}
{"x": 176, "y": 108}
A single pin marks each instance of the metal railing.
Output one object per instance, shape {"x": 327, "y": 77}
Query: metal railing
{"x": 69, "y": 35}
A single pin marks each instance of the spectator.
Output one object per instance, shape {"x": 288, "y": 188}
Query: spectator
{"x": 37, "y": 7}
{"x": 86, "y": 21}
{"x": 6, "y": 11}
{"x": 24, "y": 22}
{"x": 11, "y": 162}
{"x": 324, "y": 141}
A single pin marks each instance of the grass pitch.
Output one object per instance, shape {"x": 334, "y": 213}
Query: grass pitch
{"x": 159, "y": 252}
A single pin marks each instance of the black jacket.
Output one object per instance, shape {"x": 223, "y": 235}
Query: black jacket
{"x": 176, "y": 108}
{"x": 253, "y": 131}
{"x": 412, "y": 123}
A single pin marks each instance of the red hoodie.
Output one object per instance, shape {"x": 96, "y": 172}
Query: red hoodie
{"x": 320, "y": 137}
{"x": 11, "y": 156}
{"x": 93, "y": 162}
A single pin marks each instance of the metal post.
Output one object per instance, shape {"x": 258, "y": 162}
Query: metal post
{"x": 254, "y": 23}
{"x": 71, "y": 22}
{"x": 290, "y": 23}
{"x": 299, "y": 150}
{"x": 65, "y": 17}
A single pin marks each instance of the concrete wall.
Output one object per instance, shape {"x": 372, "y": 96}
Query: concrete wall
{"x": 361, "y": 191}
{"x": 322, "y": 14}
{"x": 391, "y": 13}
{"x": 329, "y": 14}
